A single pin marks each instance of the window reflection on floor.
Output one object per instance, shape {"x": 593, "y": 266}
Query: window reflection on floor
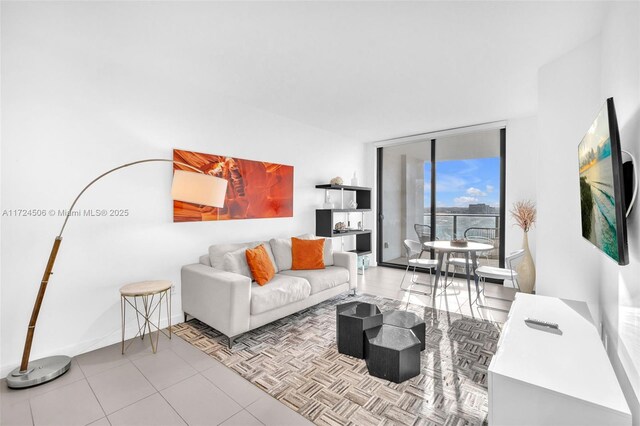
{"x": 495, "y": 301}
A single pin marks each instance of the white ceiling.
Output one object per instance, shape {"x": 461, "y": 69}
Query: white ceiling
{"x": 377, "y": 70}
{"x": 366, "y": 70}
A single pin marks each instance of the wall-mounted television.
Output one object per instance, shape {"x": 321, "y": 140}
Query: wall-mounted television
{"x": 602, "y": 204}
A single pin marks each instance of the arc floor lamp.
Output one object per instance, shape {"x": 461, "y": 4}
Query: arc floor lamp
{"x": 196, "y": 188}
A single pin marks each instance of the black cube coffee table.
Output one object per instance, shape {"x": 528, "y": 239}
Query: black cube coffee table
{"x": 353, "y": 319}
{"x": 409, "y": 320}
{"x": 393, "y": 353}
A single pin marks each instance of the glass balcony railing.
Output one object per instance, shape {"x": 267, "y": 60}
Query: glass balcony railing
{"x": 471, "y": 226}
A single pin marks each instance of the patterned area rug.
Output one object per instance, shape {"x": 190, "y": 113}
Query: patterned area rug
{"x": 296, "y": 360}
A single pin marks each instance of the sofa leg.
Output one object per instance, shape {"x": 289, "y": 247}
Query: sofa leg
{"x": 185, "y": 317}
{"x": 353, "y": 292}
{"x": 230, "y": 341}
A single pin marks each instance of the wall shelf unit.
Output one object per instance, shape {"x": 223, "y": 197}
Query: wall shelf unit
{"x": 325, "y": 217}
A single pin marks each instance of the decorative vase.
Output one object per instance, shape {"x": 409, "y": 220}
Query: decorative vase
{"x": 526, "y": 269}
{"x": 327, "y": 200}
{"x": 354, "y": 179}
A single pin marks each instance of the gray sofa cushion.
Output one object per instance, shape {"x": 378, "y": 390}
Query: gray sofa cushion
{"x": 281, "y": 248}
{"x": 280, "y": 291}
{"x": 236, "y": 262}
{"x": 217, "y": 252}
{"x": 322, "y": 279}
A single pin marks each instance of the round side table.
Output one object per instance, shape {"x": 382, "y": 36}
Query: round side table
{"x": 150, "y": 294}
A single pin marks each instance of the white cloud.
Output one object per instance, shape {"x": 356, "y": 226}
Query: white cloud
{"x": 489, "y": 188}
{"x": 463, "y": 201}
{"x": 475, "y": 192}
{"x": 468, "y": 168}
{"x": 450, "y": 183}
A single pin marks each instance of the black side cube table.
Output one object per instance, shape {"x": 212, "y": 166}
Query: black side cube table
{"x": 404, "y": 319}
{"x": 393, "y": 353}
{"x": 352, "y": 320}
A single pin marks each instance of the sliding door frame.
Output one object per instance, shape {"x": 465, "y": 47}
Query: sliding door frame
{"x": 379, "y": 204}
{"x": 379, "y": 211}
{"x": 503, "y": 192}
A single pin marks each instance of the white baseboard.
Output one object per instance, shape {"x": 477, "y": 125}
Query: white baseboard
{"x": 92, "y": 344}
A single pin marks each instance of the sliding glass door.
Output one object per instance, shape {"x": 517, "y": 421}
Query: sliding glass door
{"x": 467, "y": 186}
{"x": 404, "y": 191}
{"x": 444, "y": 188}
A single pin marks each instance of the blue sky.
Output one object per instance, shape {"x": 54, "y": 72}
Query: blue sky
{"x": 463, "y": 182}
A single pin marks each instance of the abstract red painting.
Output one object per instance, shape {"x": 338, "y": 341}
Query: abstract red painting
{"x": 255, "y": 189}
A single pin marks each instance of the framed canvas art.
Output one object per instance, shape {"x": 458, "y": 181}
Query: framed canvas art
{"x": 256, "y": 189}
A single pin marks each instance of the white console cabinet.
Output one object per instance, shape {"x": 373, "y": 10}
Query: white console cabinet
{"x": 542, "y": 377}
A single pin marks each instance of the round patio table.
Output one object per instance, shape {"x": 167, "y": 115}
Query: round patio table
{"x": 445, "y": 248}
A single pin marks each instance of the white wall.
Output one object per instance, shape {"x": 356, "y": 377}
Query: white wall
{"x": 619, "y": 288}
{"x": 469, "y": 144}
{"x": 569, "y": 100}
{"x": 572, "y": 90}
{"x": 413, "y": 202}
{"x": 403, "y": 194}
{"x": 521, "y": 177}
{"x": 392, "y": 199}
{"x": 72, "y": 109}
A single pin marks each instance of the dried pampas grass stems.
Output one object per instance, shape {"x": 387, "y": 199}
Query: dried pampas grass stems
{"x": 524, "y": 213}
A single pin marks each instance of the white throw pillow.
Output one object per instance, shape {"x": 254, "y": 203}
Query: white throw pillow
{"x": 218, "y": 251}
{"x": 328, "y": 252}
{"x": 281, "y": 248}
{"x": 267, "y": 247}
{"x": 236, "y": 262}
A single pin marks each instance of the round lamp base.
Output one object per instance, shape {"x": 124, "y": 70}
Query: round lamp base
{"x": 39, "y": 371}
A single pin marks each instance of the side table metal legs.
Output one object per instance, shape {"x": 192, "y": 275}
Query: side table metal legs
{"x": 145, "y": 312}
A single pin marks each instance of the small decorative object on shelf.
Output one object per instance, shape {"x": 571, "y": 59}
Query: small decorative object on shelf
{"x": 336, "y": 181}
{"x": 327, "y": 200}
{"x": 352, "y": 204}
{"x": 459, "y": 243}
{"x": 354, "y": 180}
{"x": 340, "y": 227}
{"x": 359, "y": 226}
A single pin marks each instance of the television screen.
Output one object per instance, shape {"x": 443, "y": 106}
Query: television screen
{"x": 601, "y": 192}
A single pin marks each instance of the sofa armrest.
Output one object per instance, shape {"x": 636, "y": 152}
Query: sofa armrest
{"x": 218, "y": 298}
{"x": 349, "y": 261}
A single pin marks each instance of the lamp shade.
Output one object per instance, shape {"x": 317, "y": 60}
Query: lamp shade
{"x": 198, "y": 188}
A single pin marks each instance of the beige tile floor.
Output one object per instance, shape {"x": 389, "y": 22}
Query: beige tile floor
{"x": 176, "y": 386}
{"x": 182, "y": 385}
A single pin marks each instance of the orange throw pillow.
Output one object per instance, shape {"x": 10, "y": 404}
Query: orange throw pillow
{"x": 307, "y": 254}
{"x": 260, "y": 264}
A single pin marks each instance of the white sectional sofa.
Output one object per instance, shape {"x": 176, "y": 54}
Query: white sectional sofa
{"x": 219, "y": 291}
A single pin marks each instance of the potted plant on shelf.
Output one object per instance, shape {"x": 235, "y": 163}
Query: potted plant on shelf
{"x": 524, "y": 213}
